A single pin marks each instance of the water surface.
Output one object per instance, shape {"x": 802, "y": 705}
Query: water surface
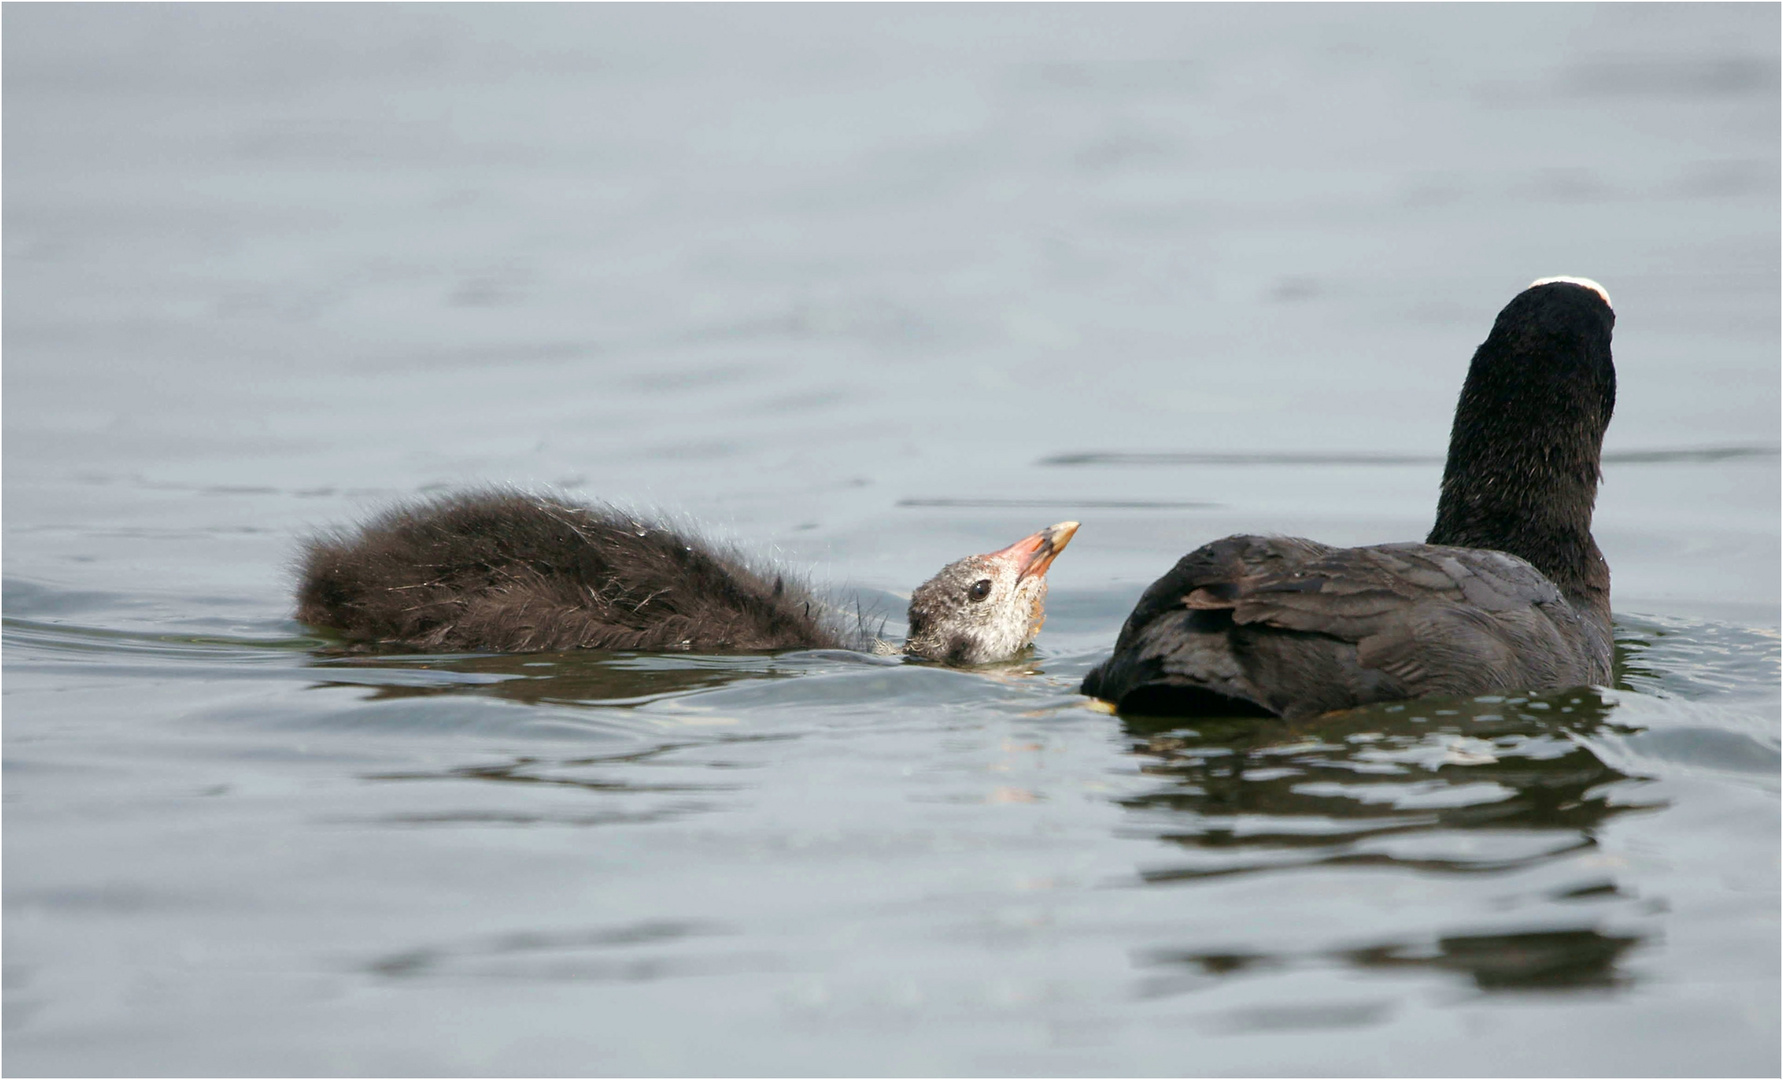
{"x": 863, "y": 290}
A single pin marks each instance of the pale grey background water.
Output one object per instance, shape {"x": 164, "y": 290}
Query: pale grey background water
{"x": 865, "y": 289}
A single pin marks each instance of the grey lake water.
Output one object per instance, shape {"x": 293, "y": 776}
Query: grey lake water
{"x": 863, "y": 289}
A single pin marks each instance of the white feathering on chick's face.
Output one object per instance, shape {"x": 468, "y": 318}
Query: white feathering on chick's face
{"x": 986, "y": 608}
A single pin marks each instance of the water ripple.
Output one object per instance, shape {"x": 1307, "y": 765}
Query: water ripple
{"x": 1676, "y": 455}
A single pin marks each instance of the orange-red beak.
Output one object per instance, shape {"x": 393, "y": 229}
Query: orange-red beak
{"x": 1032, "y": 555}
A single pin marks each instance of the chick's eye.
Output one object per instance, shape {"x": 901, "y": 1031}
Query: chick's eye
{"x": 979, "y": 590}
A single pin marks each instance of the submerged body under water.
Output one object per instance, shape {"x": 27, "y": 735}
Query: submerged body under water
{"x": 861, "y": 293}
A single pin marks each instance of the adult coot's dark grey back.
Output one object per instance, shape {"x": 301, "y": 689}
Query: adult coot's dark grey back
{"x": 1509, "y": 591}
{"x": 504, "y": 571}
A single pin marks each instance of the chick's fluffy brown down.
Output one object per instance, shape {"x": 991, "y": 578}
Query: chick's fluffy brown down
{"x": 508, "y": 572}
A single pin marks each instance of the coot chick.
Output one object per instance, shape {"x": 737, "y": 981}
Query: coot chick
{"x": 503, "y": 571}
{"x": 1509, "y": 591}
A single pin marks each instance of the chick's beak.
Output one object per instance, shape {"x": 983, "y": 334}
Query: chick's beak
{"x": 1032, "y": 555}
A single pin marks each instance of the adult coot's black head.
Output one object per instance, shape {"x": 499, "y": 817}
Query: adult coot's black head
{"x": 986, "y": 608}
{"x": 1525, "y": 449}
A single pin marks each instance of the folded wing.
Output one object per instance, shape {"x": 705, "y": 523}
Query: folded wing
{"x": 1292, "y": 627}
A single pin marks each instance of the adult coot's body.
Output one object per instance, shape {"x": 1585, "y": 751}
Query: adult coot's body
{"x": 1508, "y": 592}
{"x": 503, "y": 571}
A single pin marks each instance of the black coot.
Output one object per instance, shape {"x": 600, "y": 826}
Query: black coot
{"x": 504, "y": 571}
{"x": 1509, "y": 591}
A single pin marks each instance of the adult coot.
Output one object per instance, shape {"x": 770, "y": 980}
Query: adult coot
{"x": 1509, "y": 591}
{"x": 503, "y": 571}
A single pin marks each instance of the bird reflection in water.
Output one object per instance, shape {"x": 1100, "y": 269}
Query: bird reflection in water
{"x": 1475, "y": 786}
{"x": 1500, "y": 763}
{"x": 1543, "y": 960}
{"x": 578, "y": 676}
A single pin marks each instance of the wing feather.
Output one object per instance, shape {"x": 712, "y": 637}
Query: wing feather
{"x": 1297, "y": 627}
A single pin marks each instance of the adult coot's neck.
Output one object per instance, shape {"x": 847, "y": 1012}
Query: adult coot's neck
{"x": 1524, "y": 454}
